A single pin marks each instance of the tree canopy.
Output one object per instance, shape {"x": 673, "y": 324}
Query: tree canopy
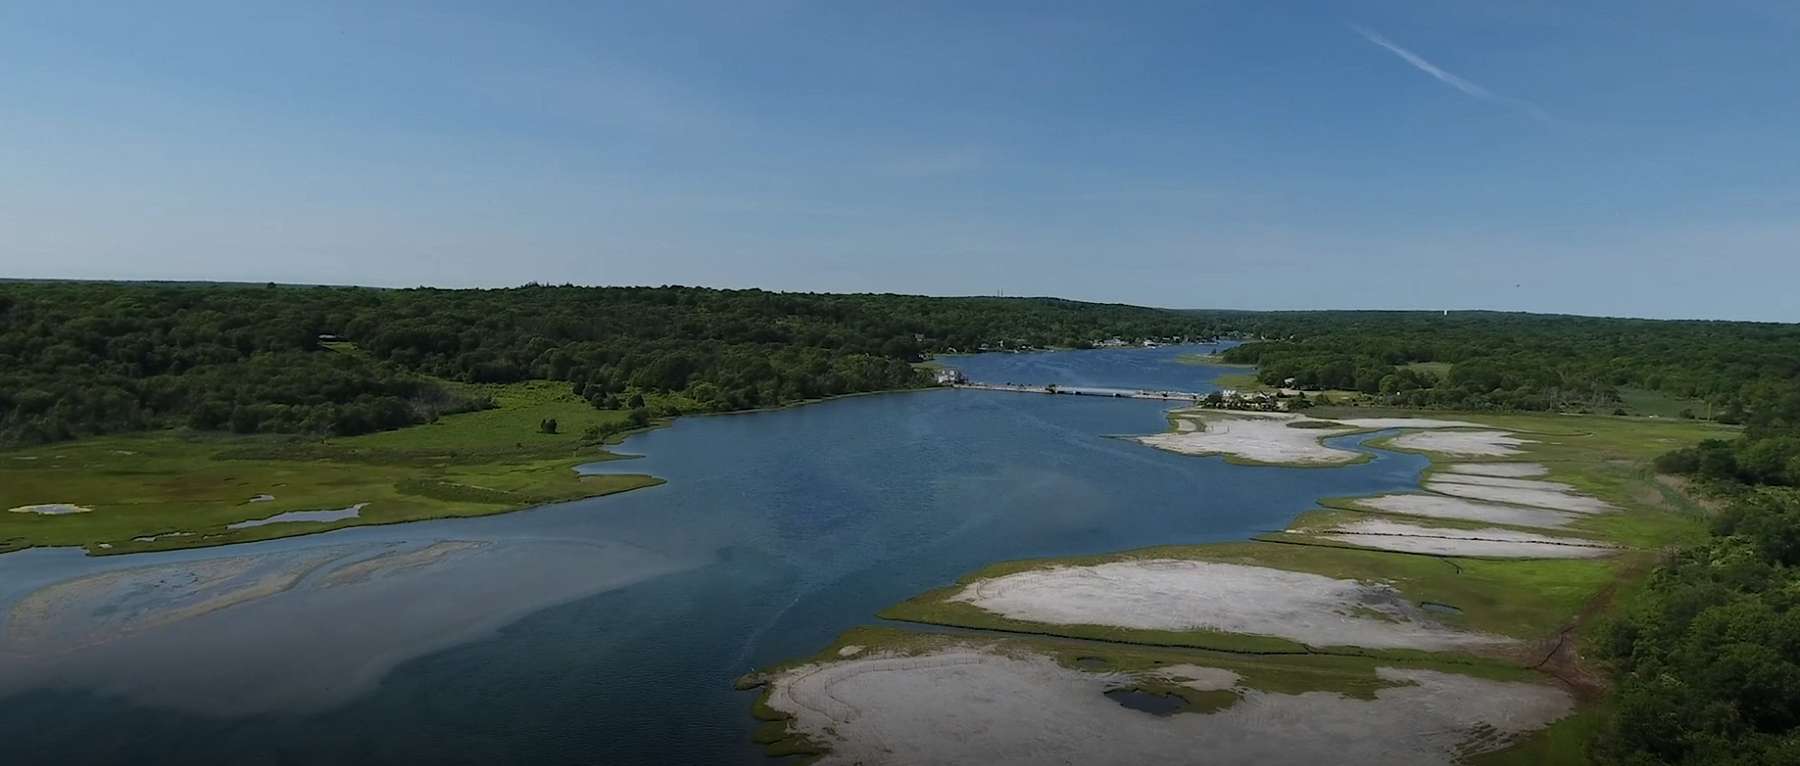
{"x": 1742, "y": 372}
{"x": 90, "y": 358}
{"x": 1707, "y": 654}
{"x": 1491, "y": 360}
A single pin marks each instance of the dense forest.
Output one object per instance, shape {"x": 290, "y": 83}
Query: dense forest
{"x": 1768, "y": 452}
{"x": 1736, "y": 372}
{"x": 1521, "y": 361}
{"x": 1707, "y": 654}
{"x": 88, "y": 358}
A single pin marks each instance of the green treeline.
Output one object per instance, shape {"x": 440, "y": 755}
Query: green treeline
{"x": 1737, "y": 372}
{"x": 1707, "y": 655}
{"x": 1521, "y": 361}
{"x": 1767, "y": 453}
{"x": 90, "y": 358}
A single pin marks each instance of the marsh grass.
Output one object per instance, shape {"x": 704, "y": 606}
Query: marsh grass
{"x": 470, "y": 464}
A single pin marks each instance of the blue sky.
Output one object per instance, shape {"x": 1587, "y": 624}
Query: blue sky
{"x": 1634, "y": 158}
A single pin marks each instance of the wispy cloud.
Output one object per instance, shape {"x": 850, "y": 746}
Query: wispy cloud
{"x": 1469, "y": 88}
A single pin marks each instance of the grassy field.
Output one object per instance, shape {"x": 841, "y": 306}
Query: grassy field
{"x": 1439, "y": 370}
{"x": 1244, "y": 379}
{"x": 1638, "y": 401}
{"x": 1574, "y": 440}
{"x": 174, "y": 489}
{"x": 1604, "y": 456}
{"x": 1214, "y": 360}
{"x": 1607, "y": 457}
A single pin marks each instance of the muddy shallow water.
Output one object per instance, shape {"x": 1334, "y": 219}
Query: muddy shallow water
{"x": 1147, "y": 702}
{"x": 293, "y": 517}
{"x": 610, "y": 630}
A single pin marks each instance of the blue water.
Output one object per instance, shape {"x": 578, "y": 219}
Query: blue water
{"x": 610, "y": 630}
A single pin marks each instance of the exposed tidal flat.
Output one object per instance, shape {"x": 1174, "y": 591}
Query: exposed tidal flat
{"x": 1446, "y": 604}
{"x": 612, "y": 629}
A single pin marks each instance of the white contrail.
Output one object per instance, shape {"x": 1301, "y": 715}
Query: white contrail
{"x": 1418, "y": 62}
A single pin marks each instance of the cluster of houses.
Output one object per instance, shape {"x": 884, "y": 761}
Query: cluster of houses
{"x": 1118, "y": 343}
{"x": 1147, "y": 342}
{"x": 1020, "y": 345}
{"x": 1278, "y": 400}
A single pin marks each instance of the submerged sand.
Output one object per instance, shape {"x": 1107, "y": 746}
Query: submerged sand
{"x": 289, "y": 629}
{"x": 969, "y": 704}
{"x": 108, "y": 606}
{"x": 1185, "y": 595}
{"x": 1439, "y": 506}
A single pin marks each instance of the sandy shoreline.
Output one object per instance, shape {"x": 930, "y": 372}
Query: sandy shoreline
{"x": 1187, "y": 595}
{"x": 1251, "y": 436}
{"x": 1443, "y": 507}
{"x": 1513, "y": 470}
{"x": 1385, "y": 534}
{"x": 1004, "y": 704}
{"x": 1462, "y": 443}
{"x": 1538, "y": 498}
{"x": 991, "y": 703}
{"x": 1274, "y": 438}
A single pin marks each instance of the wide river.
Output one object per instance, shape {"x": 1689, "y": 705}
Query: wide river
{"x": 610, "y": 630}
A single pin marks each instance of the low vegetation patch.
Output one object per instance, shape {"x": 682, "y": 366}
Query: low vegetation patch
{"x": 1211, "y": 360}
{"x": 175, "y": 489}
